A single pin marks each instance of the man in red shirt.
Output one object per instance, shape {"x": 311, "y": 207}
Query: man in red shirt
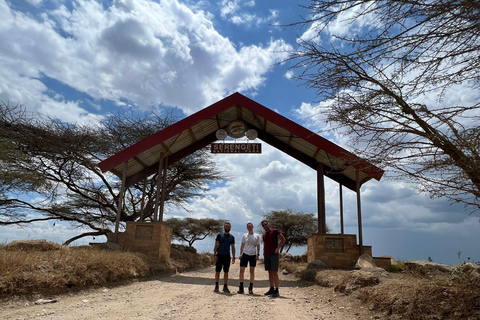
{"x": 271, "y": 247}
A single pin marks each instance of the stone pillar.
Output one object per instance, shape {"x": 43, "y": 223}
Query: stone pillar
{"x": 337, "y": 251}
{"x": 151, "y": 238}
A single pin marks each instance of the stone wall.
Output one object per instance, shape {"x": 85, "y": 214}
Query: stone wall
{"x": 151, "y": 238}
{"x": 337, "y": 251}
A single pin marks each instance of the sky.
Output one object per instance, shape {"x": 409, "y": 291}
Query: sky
{"x": 81, "y": 60}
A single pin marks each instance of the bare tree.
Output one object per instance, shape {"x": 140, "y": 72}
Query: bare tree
{"x": 56, "y": 163}
{"x": 389, "y": 83}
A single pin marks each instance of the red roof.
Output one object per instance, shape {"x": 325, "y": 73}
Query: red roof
{"x": 198, "y": 130}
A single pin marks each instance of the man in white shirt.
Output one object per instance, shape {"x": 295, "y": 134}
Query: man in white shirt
{"x": 249, "y": 253}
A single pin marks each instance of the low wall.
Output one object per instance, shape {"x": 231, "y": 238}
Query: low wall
{"x": 151, "y": 238}
{"x": 337, "y": 251}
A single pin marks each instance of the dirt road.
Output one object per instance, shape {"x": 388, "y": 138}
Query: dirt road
{"x": 190, "y": 296}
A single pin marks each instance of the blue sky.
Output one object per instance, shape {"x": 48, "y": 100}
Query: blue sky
{"x": 80, "y": 60}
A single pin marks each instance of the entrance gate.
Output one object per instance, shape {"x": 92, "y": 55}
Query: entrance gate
{"x": 239, "y": 115}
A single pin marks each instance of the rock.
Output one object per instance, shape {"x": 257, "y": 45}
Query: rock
{"x": 110, "y": 246}
{"x": 377, "y": 270}
{"x": 45, "y": 301}
{"x": 330, "y": 278}
{"x": 309, "y": 274}
{"x": 357, "y": 279}
{"x": 287, "y": 257}
{"x": 317, "y": 265}
{"x": 364, "y": 261}
{"x": 425, "y": 268}
{"x": 466, "y": 271}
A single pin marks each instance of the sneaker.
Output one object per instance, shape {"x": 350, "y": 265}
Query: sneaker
{"x": 240, "y": 290}
{"x": 225, "y": 289}
{"x": 250, "y": 291}
{"x": 275, "y": 293}
{"x": 270, "y": 292}
{"x": 216, "y": 289}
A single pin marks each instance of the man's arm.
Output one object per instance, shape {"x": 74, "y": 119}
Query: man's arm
{"x": 215, "y": 250}
{"x": 282, "y": 242}
{"x": 241, "y": 249}
{"x": 233, "y": 253}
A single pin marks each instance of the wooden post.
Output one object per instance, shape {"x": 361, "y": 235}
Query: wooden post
{"x": 142, "y": 206}
{"x": 120, "y": 202}
{"x": 322, "y": 221}
{"x": 359, "y": 213}
{"x": 157, "y": 193}
{"x": 164, "y": 182}
{"x": 342, "y": 231}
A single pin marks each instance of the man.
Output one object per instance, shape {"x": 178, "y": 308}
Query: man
{"x": 249, "y": 254}
{"x": 271, "y": 247}
{"x": 221, "y": 252}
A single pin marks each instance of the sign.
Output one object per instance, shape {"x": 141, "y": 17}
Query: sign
{"x": 221, "y": 134}
{"x": 236, "y": 129}
{"x": 334, "y": 244}
{"x": 252, "y": 134}
{"x": 236, "y": 148}
{"x": 144, "y": 232}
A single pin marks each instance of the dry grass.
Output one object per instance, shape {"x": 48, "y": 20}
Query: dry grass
{"x": 412, "y": 297}
{"x": 49, "y": 268}
{"x": 403, "y": 295}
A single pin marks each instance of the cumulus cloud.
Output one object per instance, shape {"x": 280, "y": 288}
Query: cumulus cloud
{"x": 145, "y": 52}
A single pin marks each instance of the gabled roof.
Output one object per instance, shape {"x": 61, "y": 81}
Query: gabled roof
{"x": 198, "y": 130}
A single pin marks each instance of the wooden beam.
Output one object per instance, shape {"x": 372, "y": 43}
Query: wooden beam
{"x": 359, "y": 214}
{"x": 173, "y": 158}
{"x": 322, "y": 220}
{"x": 309, "y": 161}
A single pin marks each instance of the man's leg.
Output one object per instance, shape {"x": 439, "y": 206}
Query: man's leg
{"x": 272, "y": 289}
{"x": 252, "y": 278}
{"x": 271, "y": 278}
{"x": 276, "y": 280}
{"x": 240, "y": 278}
{"x": 225, "y": 282}
{"x": 241, "y": 275}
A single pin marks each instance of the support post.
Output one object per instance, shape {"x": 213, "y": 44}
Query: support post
{"x": 142, "y": 206}
{"x": 359, "y": 213}
{"x": 322, "y": 221}
{"x": 157, "y": 191}
{"x": 120, "y": 202}
{"x": 342, "y": 231}
{"x": 164, "y": 182}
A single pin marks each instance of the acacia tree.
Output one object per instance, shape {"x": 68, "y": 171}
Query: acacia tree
{"x": 191, "y": 229}
{"x": 56, "y": 163}
{"x": 295, "y": 226}
{"x": 403, "y": 84}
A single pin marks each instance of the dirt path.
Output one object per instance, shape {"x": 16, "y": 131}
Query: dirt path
{"x": 190, "y": 296}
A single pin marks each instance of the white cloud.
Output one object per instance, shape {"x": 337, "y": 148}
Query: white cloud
{"x": 145, "y": 52}
{"x": 237, "y": 12}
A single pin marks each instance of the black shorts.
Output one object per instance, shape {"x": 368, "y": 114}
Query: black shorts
{"x": 223, "y": 261}
{"x": 245, "y": 259}
{"x": 271, "y": 262}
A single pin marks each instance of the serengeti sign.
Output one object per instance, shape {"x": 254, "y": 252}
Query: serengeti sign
{"x": 236, "y": 148}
